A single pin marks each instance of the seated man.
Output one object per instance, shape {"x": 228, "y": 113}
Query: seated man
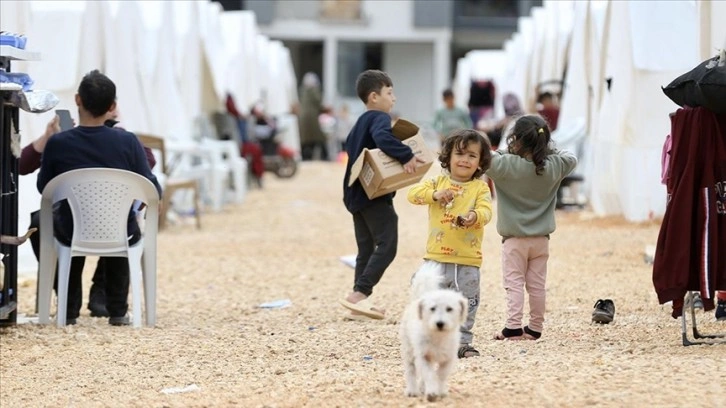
{"x": 92, "y": 144}
{"x": 29, "y": 162}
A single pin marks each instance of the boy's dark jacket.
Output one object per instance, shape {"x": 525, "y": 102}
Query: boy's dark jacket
{"x": 372, "y": 130}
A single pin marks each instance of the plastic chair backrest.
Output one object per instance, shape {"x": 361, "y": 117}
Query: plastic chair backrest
{"x": 100, "y": 200}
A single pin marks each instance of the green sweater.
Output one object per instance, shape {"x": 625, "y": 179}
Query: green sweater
{"x": 448, "y": 120}
{"x": 526, "y": 201}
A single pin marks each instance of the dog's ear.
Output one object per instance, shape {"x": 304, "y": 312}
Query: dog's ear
{"x": 464, "y": 309}
{"x": 420, "y": 309}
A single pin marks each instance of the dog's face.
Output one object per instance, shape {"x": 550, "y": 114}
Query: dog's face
{"x": 442, "y": 310}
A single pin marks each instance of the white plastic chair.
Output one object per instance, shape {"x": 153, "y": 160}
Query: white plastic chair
{"x": 226, "y": 164}
{"x": 100, "y": 200}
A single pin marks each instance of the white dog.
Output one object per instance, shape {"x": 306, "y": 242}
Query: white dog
{"x": 430, "y": 333}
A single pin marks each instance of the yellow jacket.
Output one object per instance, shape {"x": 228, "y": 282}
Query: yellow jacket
{"x": 448, "y": 242}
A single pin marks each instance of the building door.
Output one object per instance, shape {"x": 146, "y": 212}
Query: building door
{"x": 307, "y": 56}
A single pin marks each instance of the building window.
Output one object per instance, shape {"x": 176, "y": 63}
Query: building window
{"x": 354, "y": 58}
{"x": 488, "y": 8}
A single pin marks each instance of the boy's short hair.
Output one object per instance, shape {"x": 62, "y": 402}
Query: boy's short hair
{"x": 448, "y": 93}
{"x": 371, "y": 80}
{"x": 97, "y": 93}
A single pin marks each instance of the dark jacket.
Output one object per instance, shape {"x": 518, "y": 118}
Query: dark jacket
{"x": 372, "y": 130}
{"x": 83, "y": 147}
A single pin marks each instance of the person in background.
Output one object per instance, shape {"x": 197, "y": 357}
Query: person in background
{"x": 526, "y": 177}
{"x": 548, "y": 108}
{"x": 450, "y": 118}
{"x": 95, "y": 145}
{"x": 313, "y": 141}
{"x": 495, "y": 129}
{"x": 343, "y": 125}
{"x": 249, "y": 148}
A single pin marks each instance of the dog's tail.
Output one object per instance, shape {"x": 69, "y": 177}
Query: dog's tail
{"x": 428, "y": 278}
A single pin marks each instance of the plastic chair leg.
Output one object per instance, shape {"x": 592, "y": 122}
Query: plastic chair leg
{"x": 149, "y": 274}
{"x": 134, "y": 259}
{"x": 64, "y": 271}
{"x": 46, "y": 278}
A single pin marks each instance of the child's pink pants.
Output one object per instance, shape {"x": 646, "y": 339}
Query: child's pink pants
{"x": 524, "y": 265}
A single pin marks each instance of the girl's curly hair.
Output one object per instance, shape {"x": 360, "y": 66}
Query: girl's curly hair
{"x": 531, "y": 136}
{"x": 460, "y": 139}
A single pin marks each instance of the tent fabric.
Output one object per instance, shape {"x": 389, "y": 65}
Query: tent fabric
{"x": 157, "y": 53}
{"x": 613, "y": 113}
{"x": 654, "y": 45}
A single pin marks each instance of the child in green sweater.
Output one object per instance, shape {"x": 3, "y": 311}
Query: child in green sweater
{"x": 526, "y": 178}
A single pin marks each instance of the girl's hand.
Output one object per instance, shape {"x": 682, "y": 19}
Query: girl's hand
{"x": 468, "y": 219}
{"x": 444, "y": 196}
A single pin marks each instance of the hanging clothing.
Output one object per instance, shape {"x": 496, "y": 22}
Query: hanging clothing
{"x": 691, "y": 248}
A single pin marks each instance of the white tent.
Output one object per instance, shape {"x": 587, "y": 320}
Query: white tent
{"x": 613, "y": 112}
{"x": 171, "y": 62}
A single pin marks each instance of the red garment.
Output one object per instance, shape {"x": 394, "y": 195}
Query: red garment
{"x": 253, "y": 151}
{"x": 691, "y": 249}
{"x": 232, "y": 107}
{"x": 665, "y": 160}
{"x": 551, "y": 116}
{"x": 29, "y": 160}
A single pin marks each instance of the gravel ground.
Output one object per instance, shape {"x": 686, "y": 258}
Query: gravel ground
{"x": 284, "y": 242}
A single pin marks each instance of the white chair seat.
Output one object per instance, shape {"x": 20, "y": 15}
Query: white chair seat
{"x": 100, "y": 200}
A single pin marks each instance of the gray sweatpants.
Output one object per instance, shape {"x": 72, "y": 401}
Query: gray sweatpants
{"x": 464, "y": 279}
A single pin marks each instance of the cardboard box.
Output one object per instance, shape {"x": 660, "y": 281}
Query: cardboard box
{"x": 381, "y": 174}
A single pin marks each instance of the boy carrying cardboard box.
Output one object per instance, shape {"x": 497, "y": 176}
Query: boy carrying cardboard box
{"x": 374, "y": 219}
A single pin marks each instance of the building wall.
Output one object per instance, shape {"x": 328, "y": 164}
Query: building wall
{"x": 409, "y": 65}
{"x": 390, "y": 22}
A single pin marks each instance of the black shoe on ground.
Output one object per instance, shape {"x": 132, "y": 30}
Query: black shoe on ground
{"x": 119, "y": 321}
{"x": 604, "y": 311}
{"x": 97, "y": 301}
{"x": 721, "y": 310}
{"x": 97, "y": 309}
{"x": 70, "y": 321}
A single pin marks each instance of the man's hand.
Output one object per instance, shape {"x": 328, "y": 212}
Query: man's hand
{"x": 51, "y": 128}
{"x": 410, "y": 167}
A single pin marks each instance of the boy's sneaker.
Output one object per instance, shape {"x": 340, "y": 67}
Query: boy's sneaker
{"x": 721, "y": 310}
{"x": 604, "y": 311}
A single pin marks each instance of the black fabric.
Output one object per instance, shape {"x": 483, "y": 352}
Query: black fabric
{"x": 512, "y": 332}
{"x": 376, "y": 233}
{"x": 371, "y": 130}
{"x": 481, "y": 93}
{"x": 703, "y": 86}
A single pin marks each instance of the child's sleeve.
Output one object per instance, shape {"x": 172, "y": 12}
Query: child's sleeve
{"x": 499, "y": 165}
{"x": 566, "y": 161}
{"x": 483, "y": 205}
{"x": 423, "y": 192}
{"x": 383, "y": 136}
